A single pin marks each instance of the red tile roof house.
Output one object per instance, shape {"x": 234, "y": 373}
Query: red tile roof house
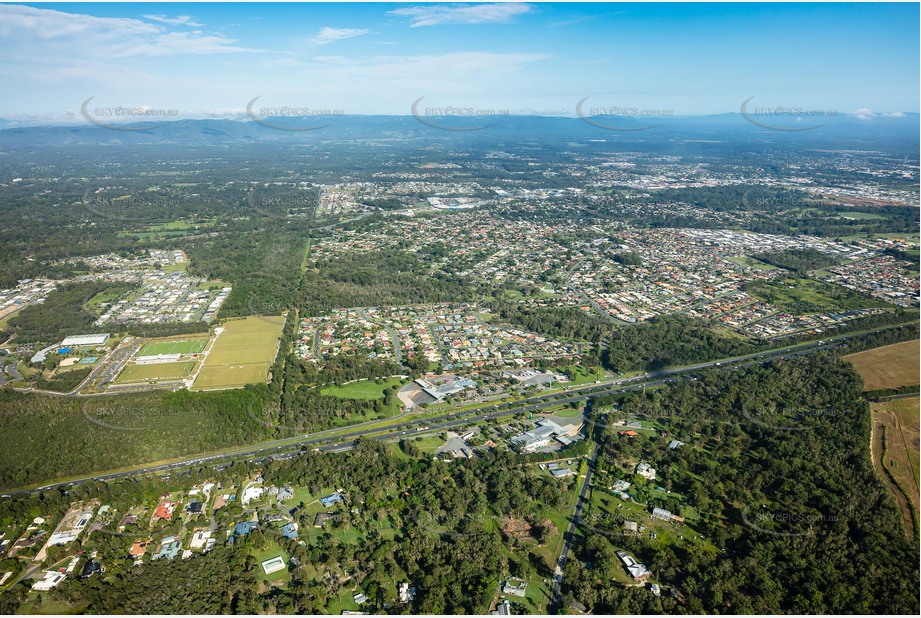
{"x": 165, "y": 510}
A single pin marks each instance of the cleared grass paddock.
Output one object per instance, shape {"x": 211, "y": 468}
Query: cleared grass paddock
{"x": 242, "y": 353}
{"x": 155, "y": 372}
{"x": 890, "y": 366}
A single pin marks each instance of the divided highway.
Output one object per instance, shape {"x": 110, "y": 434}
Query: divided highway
{"x": 339, "y": 440}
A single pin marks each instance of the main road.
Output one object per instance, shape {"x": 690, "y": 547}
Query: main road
{"x": 340, "y": 440}
{"x": 556, "y": 600}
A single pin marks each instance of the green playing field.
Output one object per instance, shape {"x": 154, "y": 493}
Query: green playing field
{"x": 173, "y": 347}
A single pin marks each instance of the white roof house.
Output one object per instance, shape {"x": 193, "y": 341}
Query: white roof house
{"x": 646, "y": 471}
{"x": 635, "y": 569}
{"x": 252, "y": 493}
{"x": 199, "y": 539}
{"x": 49, "y": 581}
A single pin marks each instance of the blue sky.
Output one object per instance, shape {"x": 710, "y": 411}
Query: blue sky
{"x": 212, "y": 59}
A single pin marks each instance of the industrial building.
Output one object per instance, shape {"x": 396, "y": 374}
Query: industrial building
{"x": 544, "y": 433}
{"x": 439, "y": 393}
{"x": 85, "y": 340}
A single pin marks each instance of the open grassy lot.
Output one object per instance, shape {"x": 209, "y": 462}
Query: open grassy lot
{"x": 270, "y": 552}
{"x": 583, "y": 375}
{"x": 894, "y": 448}
{"x": 861, "y": 216}
{"x": 231, "y": 376}
{"x": 173, "y": 347}
{"x": 41, "y": 604}
{"x": 564, "y": 412}
{"x": 363, "y": 389}
{"x": 242, "y": 353}
{"x": 345, "y": 602}
{"x": 810, "y": 296}
{"x": 173, "y": 228}
{"x": 890, "y": 366}
{"x": 159, "y": 371}
{"x": 427, "y": 444}
{"x": 94, "y": 305}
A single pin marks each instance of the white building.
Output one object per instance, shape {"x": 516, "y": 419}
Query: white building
{"x": 62, "y": 538}
{"x": 78, "y": 340}
{"x": 156, "y": 359}
{"x": 407, "y": 592}
{"x": 519, "y": 589}
{"x": 646, "y": 471}
{"x": 634, "y": 568}
{"x": 252, "y": 493}
{"x": 273, "y": 565}
{"x": 49, "y": 581}
{"x": 546, "y": 432}
{"x": 200, "y": 539}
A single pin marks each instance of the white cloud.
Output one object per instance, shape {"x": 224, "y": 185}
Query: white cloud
{"x": 34, "y": 35}
{"x": 18, "y": 21}
{"x": 175, "y": 43}
{"x": 864, "y": 113}
{"x": 422, "y": 69}
{"x": 434, "y": 15}
{"x": 180, "y": 20}
{"x": 328, "y": 35}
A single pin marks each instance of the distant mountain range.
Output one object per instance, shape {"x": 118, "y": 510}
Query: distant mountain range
{"x": 886, "y": 132}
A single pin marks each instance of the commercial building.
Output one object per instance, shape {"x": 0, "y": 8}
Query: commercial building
{"x": 440, "y": 392}
{"x": 546, "y": 432}
{"x": 156, "y": 359}
{"x": 85, "y": 340}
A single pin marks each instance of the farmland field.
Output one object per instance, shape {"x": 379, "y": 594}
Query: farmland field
{"x": 173, "y": 347}
{"x": 158, "y": 371}
{"x": 894, "y": 447}
{"x": 242, "y": 353}
{"x": 890, "y": 366}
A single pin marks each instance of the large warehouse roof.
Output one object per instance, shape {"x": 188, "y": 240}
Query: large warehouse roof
{"x": 97, "y": 339}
